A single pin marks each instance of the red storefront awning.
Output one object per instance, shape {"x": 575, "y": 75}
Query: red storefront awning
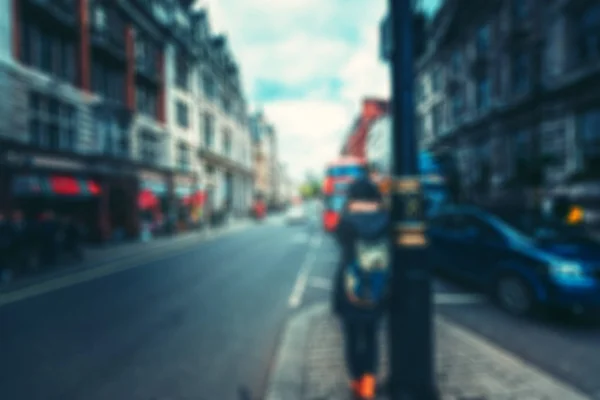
{"x": 54, "y": 185}
{"x": 196, "y": 199}
{"x": 65, "y": 185}
{"x": 147, "y": 199}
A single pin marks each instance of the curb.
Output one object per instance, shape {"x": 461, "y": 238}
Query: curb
{"x": 173, "y": 243}
{"x": 283, "y": 384}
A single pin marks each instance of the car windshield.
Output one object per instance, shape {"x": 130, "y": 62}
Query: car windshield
{"x": 336, "y": 203}
{"x": 341, "y": 171}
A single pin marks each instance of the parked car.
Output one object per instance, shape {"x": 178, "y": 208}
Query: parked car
{"x": 523, "y": 262}
{"x": 295, "y": 214}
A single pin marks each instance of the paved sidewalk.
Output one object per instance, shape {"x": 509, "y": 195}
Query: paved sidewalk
{"x": 310, "y": 366}
{"x": 100, "y": 255}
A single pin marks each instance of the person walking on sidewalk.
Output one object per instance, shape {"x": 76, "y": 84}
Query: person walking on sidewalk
{"x": 360, "y": 291}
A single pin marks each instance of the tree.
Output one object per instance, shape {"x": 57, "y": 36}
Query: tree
{"x": 310, "y": 189}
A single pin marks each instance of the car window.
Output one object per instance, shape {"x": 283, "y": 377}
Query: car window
{"x": 469, "y": 225}
{"x": 335, "y": 203}
{"x": 442, "y": 222}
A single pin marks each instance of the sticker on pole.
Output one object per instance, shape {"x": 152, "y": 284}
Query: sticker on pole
{"x": 411, "y": 227}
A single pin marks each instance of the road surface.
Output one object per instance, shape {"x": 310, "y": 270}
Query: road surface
{"x": 203, "y": 322}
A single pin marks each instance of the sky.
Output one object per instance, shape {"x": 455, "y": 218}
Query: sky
{"x": 307, "y": 64}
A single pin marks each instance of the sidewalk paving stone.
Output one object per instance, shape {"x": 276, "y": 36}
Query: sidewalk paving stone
{"x": 310, "y": 365}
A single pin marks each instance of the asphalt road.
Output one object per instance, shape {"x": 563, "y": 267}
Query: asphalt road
{"x": 204, "y": 324}
{"x": 200, "y": 325}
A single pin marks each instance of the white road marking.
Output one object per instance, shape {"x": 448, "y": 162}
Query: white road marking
{"x": 300, "y": 238}
{"x": 458, "y": 298}
{"x": 303, "y": 274}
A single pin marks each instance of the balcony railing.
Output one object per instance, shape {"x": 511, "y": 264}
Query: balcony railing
{"x": 108, "y": 39}
{"x": 147, "y": 67}
{"x": 64, "y": 11}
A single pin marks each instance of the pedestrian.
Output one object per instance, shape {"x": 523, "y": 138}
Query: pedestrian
{"x": 50, "y": 237}
{"x": 20, "y": 231}
{"x": 360, "y": 291}
{"x": 6, "y": 247}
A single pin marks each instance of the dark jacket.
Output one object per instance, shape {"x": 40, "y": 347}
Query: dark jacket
{"x": 354, "y": 226}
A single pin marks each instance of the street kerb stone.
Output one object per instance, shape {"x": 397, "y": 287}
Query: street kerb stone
{"x": 310, "y": 364}
{"x": 287, "y": 378}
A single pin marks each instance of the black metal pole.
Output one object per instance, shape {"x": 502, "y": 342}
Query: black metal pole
{"x": 410, "y": 322}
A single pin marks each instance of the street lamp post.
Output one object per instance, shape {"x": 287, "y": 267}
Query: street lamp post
{"x": 410, "y": 327}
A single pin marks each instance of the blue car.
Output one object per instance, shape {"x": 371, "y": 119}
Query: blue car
{"x": 523, "y": 262}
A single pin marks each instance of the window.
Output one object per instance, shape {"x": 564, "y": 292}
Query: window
{"x": 148, "y": 147}
{"x": 519, "y": 9}
{"x": 52, "y": 123}
{"x": 483, "y": 40}
{"x": 146, "y": 100}
{"x": 209, "y": 131}
{"x": 522, "y": 151}
{"x": 99, "y": 17}
{"x": 108, "y": 81}
{"x": 483, "y": 93}
{"x": 146, "y": 53}
{"x": 113, "y": 137}
{"x": 520, "y": 73}
{"x": 589, "y": 34}
{"x": 227, "y": 106}
{"x": 182, "y": 72}
{"x": 437, "y": 119}
{"x": 210, "y": 88}
{"x": 182, "y": 115}
{"x": 589, "y": 136}
{"x": 183, "y": 156}
{"x": 458, "y": 102}
{"x": 227, "y": 142}
{"x": 456, "y": 61}
{"x": 436, "y": 80}
{"x": 420, "y": 96}
{"x": 48, "y": 51}
{"x": 419, "y": 127}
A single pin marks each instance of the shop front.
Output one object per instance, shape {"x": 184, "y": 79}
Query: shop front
{"x": 153, "y": 203}
{"x": 190, "y": 200}
{"x": 39, "y": 183}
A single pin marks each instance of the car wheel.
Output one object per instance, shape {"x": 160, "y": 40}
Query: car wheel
{"x": 514, "y": 295}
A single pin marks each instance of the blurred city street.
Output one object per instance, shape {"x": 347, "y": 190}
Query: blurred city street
{"x": 204, "y": 321}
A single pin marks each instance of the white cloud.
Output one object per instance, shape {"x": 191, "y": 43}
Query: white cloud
{"x": 309, "y": 132}
{"x": 295, "y": 42}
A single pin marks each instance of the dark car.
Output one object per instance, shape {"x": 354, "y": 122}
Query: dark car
{"x": 522, "y": 261}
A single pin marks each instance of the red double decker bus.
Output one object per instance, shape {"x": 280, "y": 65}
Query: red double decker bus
{"x": 341, "y": 171}
{"x": 338, "y": 176}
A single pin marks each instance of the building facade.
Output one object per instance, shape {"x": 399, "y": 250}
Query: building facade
{"x": 265, "y": 158}
{"x": 226, "y": 140}
{"x": 93, "y": 126}
{"x": 509, "y": 89}
{"x": 285, "y": 186}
